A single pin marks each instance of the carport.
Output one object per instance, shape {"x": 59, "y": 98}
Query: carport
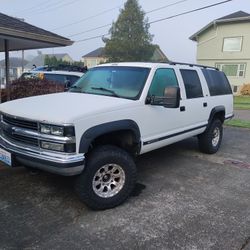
{"x": 18, "y": 35}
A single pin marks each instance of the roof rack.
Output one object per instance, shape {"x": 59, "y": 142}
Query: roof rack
{"x": 192, "y": 65}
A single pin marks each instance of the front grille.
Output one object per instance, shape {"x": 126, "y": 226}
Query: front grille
{"x": 20, "y": 123}
{"x": 8, "y": 126}
{"x": 21, "y": 139}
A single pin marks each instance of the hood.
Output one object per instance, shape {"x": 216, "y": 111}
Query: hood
{"x": 63, "y": 107}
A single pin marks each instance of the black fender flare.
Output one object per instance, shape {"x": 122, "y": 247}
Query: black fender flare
{"x": 90, "y": 134}
{"x": 215, "y": 111}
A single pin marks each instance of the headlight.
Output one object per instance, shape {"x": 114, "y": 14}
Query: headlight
{"x": 45, "y": 129}
{"x": 57, "y": 130}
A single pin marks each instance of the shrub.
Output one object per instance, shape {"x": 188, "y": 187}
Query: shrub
{"x": 245, "y": 90}
{"x": 32, "y": 87}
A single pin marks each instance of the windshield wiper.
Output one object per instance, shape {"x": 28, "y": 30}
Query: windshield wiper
{"x": 107, "y": 90}
{"x": 75, "y": 88}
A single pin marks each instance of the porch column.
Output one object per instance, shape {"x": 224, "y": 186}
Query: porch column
{"x": 7, "y": 66}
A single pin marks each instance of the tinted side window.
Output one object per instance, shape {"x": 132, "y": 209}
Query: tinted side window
{"x": 163, "y": 78}
{"x": 192, "y": 83}
{"x": 217, "y": 82}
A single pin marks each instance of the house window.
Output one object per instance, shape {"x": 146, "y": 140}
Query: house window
{"x": 232, "y": 44}
{"x": 236, "y": 70}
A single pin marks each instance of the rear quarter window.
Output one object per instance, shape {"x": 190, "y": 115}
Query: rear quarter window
{"x": 217, "y": 82}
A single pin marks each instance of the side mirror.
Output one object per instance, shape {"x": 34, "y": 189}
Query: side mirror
{"x": 172, "y": 97}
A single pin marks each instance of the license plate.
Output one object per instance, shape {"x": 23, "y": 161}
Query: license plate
{"x": 5, "y": 156}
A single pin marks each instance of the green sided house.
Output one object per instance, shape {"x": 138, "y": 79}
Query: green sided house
{"x": 225, "y": 44}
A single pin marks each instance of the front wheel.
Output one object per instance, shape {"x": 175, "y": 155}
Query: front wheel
{"x": 108, "y": 179}
{"x": 210, "y": 140}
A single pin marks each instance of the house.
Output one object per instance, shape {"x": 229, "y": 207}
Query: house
{"x": 39, "y": 59}
{"x": 97, "y": 57}
{"x": 16, "y": 65}
{"x": 225, "y": 44}
{"x": 94, "y": 58}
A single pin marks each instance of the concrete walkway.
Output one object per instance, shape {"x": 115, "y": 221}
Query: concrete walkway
{"x": 242, "y": 114}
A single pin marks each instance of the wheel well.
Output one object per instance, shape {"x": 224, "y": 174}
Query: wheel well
{"x": 125, "y": 139}
{"x": 219, "y": 115}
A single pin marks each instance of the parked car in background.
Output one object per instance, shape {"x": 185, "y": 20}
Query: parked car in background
{"x": 41, "y": 82}
{"x": 67, "y": 78}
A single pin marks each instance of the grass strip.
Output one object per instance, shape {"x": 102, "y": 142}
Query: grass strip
{"x": 238, "y": 123}
{"x": 242, "y": 102}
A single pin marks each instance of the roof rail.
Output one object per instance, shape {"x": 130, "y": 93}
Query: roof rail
{"x": 192, "y": 65}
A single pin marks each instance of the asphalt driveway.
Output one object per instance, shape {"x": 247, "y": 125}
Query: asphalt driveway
{"x": 183, "y": 200}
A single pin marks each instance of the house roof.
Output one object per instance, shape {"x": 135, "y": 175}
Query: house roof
{"x": 239, "y": 16}
{"x": 22, "y": 35}
{"x": 15, "y": 62}
{"x": 96, "y": 53}
{"x": 58, "y": 56}
{"x": 39, "y": 60}
{"x": 157, "y": 56}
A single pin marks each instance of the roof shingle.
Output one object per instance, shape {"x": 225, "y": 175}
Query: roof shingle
{"x": 18, "y": 25}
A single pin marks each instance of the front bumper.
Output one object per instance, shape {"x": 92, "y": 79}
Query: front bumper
{"x": 58, "y": 163}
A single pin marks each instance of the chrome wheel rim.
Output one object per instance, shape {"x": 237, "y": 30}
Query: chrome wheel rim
{"x": 216, "y": 137}
{"x": 108, "y": 180}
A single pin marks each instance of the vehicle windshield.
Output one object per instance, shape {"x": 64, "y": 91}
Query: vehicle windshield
{"x": 117, "y": 81}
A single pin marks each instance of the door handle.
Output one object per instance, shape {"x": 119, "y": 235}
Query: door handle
{"x": 182, "y": 108}
{"x": 204, "y": 104}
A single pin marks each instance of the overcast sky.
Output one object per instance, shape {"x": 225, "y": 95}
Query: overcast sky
{"x": 171, "y": 35}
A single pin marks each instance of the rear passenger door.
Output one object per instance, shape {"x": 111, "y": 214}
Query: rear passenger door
{"x": 194, "y": 105}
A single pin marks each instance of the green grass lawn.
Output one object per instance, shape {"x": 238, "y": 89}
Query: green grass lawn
{"x": 242, "y": 102}
{"x": 238, "y": 123}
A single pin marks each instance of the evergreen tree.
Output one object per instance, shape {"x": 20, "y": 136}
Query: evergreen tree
{"x": 130, "y": 38}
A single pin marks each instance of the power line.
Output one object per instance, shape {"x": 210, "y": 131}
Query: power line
{"x": 166, "y": 6}
{"x": 57, "y": 7}
{"x": 190, "y": 11}
{"x": 166, "y": 18}
{"x": 42, "y": 7}
{"x": 103, "y": 26}
{"x": 87, "y": 18}
{"x": 91, "y": 38}
{"x": 31, "y": 8}
{"x": 106, "y": 25}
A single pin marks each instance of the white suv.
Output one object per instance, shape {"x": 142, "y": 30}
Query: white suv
{"x": 112, "y": 114}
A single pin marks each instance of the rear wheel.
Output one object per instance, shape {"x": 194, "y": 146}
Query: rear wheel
{"x": 108, "y": 179}
{"x": 210, "y": 140}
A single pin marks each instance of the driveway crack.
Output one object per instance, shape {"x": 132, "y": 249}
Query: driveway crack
{"x": 246, "y": 242}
